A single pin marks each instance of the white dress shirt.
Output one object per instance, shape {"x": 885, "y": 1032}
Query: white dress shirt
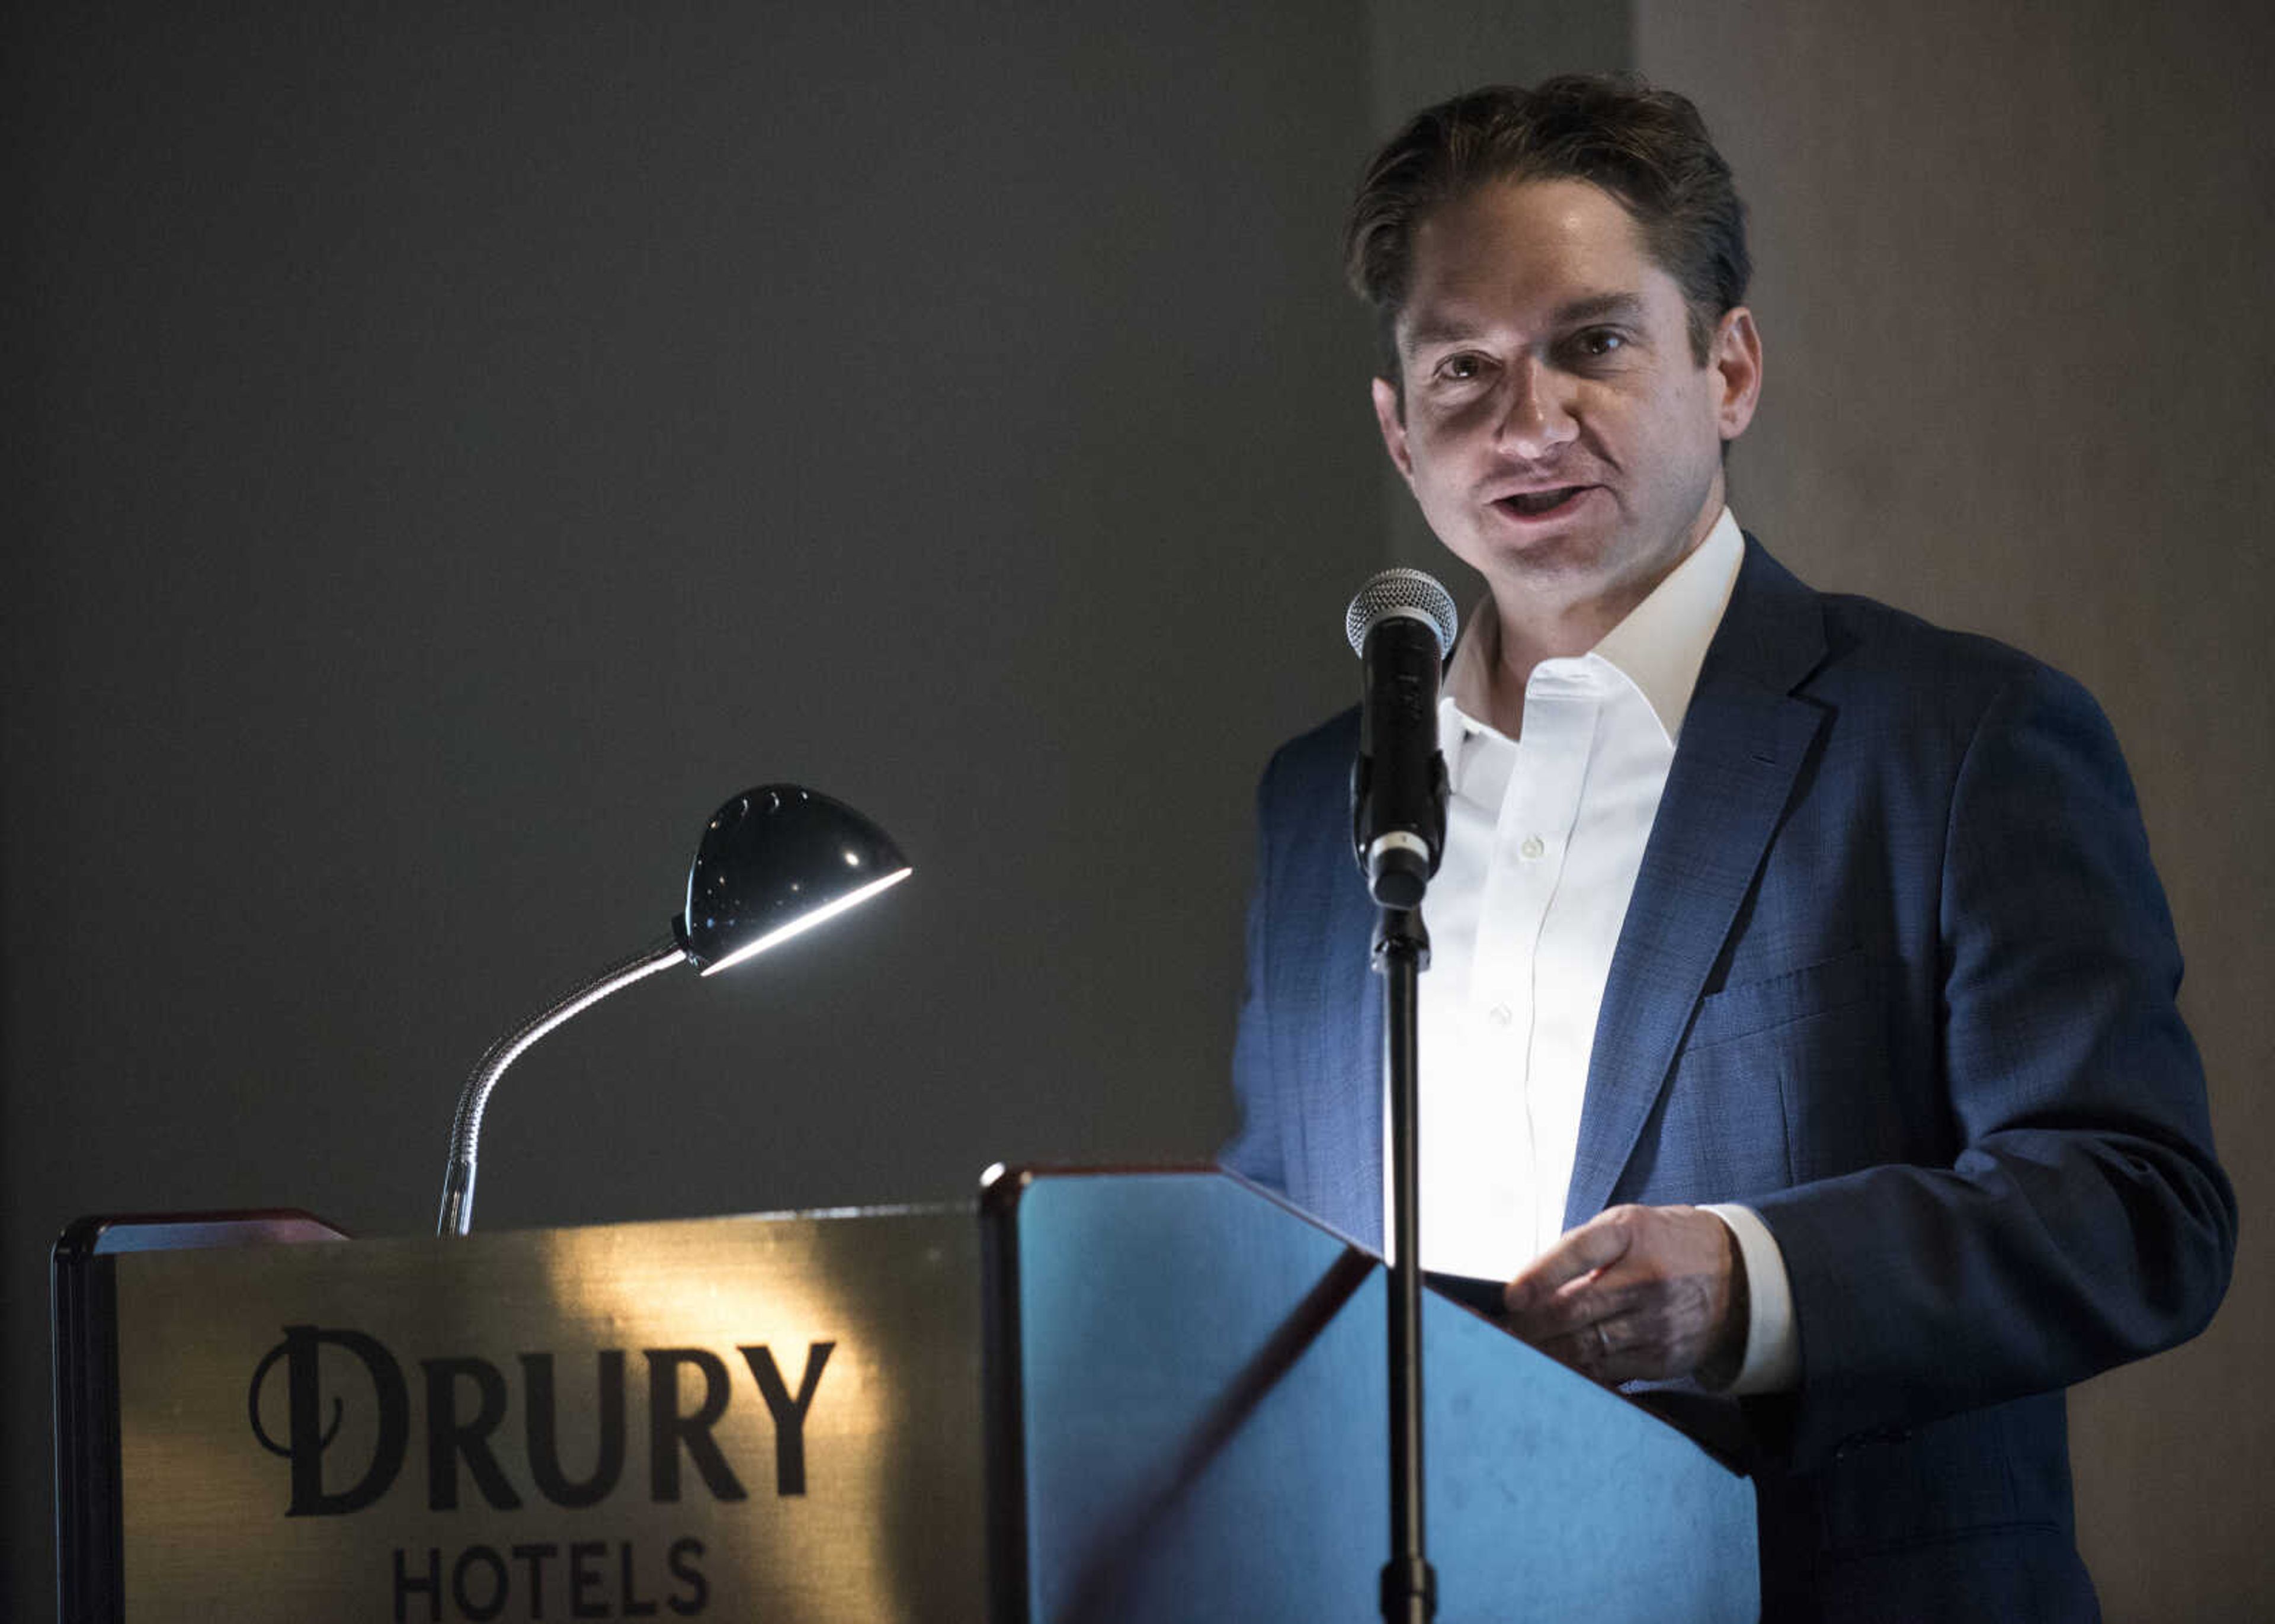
{"x": 1545, "y": 835}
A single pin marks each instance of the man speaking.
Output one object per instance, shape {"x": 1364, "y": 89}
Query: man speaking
{"x": 1801, "y": 1022}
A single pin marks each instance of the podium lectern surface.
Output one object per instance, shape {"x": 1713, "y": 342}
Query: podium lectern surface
{"x": 1178, "y": 1415}
{"x": 1205, "y": 1435}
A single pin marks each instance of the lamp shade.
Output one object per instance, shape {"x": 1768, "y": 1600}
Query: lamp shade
{"x": 775, "y": 861}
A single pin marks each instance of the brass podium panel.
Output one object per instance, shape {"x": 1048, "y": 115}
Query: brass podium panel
{"x": 775, "y": 1417}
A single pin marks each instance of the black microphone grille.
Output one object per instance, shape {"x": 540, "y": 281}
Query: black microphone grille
{"x": 1401, "y": 591}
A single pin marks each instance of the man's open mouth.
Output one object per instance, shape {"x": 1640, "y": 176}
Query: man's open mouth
{"x": 1535, "y": 504}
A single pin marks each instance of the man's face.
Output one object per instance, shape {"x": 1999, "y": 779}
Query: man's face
{"x": 1557, "y": 430}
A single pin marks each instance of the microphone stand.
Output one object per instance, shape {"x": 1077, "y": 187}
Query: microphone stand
{"x": 1402, "y": 626}
{"x": 1401, "y": 953}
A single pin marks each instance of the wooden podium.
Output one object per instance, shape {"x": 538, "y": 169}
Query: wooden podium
{"x": 1091, "y": 1397}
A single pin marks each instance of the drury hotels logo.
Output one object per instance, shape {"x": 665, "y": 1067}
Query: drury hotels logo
{"x": 447, "y": 1430}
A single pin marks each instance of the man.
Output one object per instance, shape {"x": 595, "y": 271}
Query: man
{"x": 1801, "y": 1027}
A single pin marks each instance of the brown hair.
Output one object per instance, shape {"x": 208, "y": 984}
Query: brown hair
{"x": 1645, "y": 147}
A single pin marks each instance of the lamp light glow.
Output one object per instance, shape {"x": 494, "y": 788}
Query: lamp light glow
{"x": 806, "y": 922}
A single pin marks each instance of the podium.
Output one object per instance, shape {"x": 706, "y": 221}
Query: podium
{"x": 1086, "y": 1397}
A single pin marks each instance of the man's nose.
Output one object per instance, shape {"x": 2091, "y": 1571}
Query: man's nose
{"x": 1535, "y": 418}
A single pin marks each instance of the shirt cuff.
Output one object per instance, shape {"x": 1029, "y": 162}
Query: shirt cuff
{"x": 1772, "y": 1361}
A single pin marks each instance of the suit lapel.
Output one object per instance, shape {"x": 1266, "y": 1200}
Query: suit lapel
{"x": 1744, "y": 741}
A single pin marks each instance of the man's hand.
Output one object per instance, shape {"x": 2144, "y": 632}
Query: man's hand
{"x": 1637, "y": 1293}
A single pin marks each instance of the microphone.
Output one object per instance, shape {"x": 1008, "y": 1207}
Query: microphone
{"x": 1402, "y": 626}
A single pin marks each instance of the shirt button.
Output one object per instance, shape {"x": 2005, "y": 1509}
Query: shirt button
{"x": 1533, "y": 847}
{"x": 1500, "y": 1015}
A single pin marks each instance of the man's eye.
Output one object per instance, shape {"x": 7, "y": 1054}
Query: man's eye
{"x": 1460, "y": 369}
{"x": 1599, "y": 341}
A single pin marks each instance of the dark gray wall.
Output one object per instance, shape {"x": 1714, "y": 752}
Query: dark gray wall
{"x": 452, "y": 447}
{"x": 2013, "y": 292}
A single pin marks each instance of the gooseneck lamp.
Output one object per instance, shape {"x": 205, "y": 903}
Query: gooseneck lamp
{"x": 774, "y": 862}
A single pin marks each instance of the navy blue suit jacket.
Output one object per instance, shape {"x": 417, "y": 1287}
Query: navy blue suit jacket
{"x": 1897, "y": 974}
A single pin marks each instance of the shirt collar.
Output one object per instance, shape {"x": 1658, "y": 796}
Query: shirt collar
{"x": 1658, "y": 647}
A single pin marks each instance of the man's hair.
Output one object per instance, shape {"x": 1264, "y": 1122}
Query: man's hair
{"x": 1647, "y": 148}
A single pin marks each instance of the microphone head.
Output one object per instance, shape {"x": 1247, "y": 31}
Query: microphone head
{"x": 1407, "y": 592}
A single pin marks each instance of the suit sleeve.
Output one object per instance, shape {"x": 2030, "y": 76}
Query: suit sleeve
{"x": 2084, "y": 1220}
{"x": 1254, "y": 1151}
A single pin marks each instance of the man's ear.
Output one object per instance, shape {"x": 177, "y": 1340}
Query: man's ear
{"x": 1737, "y": 363}
{"x": 1388, "y": 416}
